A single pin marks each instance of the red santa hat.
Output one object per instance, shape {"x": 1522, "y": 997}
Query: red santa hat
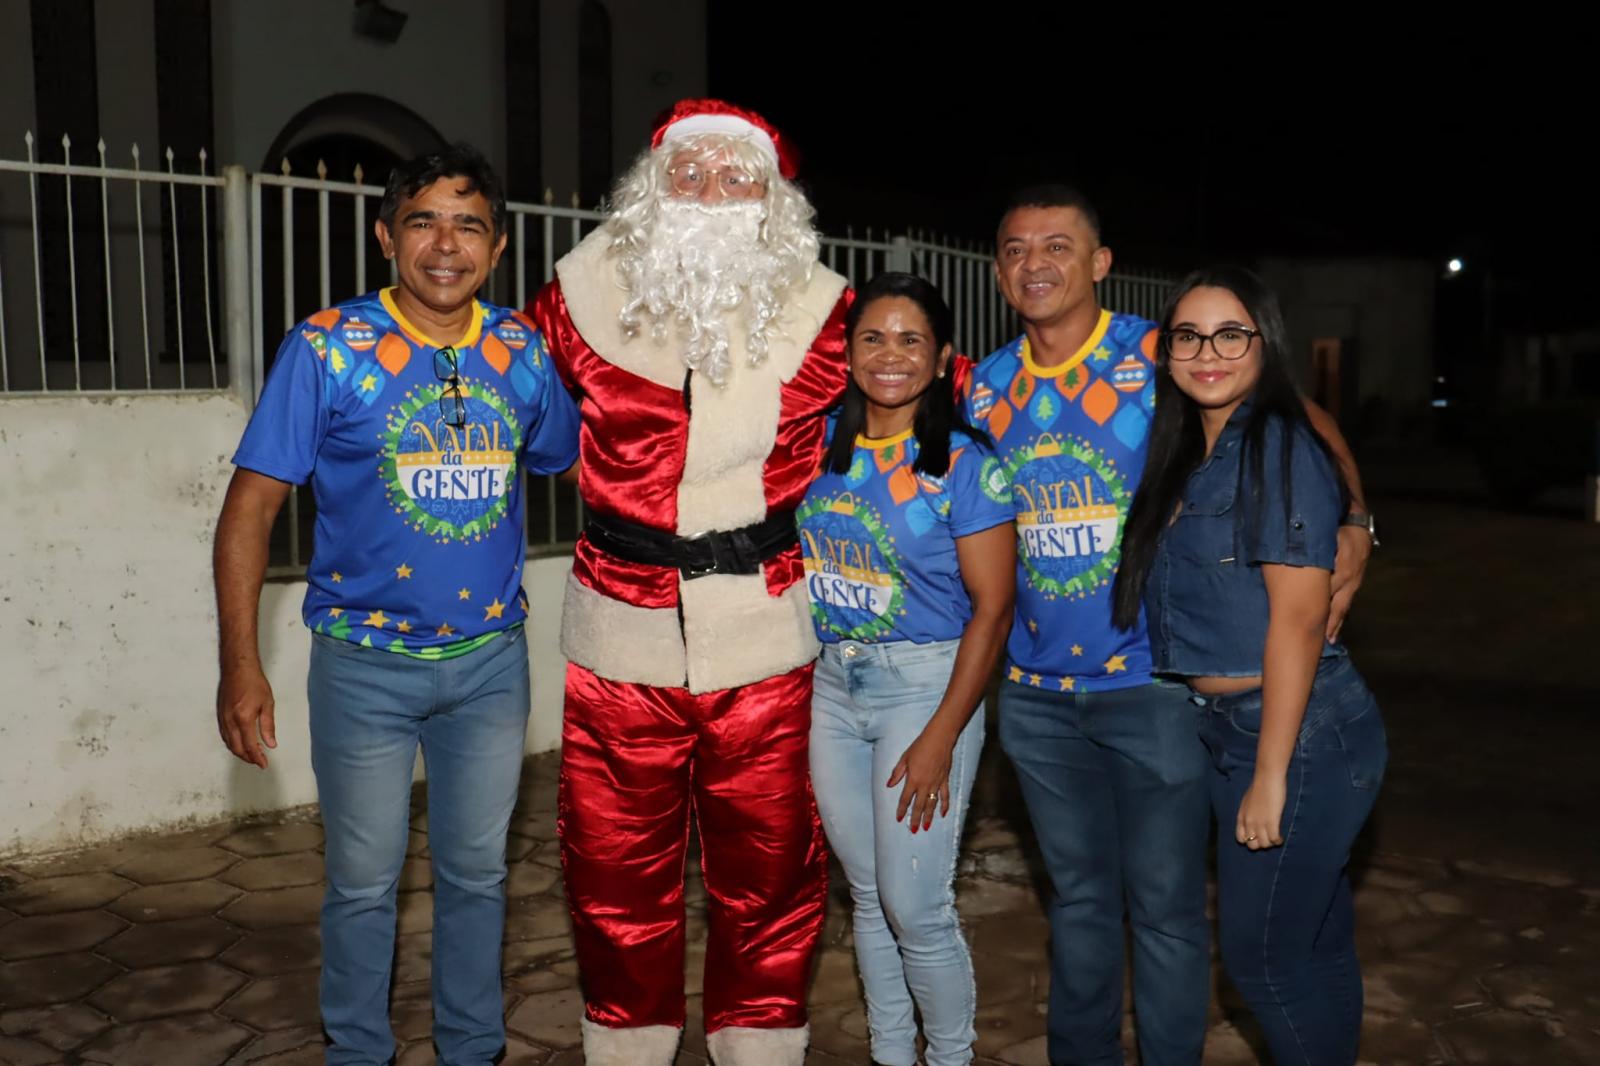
{"x": 691, "y": 118}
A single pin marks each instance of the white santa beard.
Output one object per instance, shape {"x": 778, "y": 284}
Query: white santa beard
{"x": 700, "y": 262}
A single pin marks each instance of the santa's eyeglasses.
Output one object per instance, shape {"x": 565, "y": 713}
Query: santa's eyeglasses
{"x": 690, "y": 178}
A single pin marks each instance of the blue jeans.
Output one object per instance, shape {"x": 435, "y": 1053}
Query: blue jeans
{"x": 369, "y": 711}
{"x": 1115, "y": 784}
{"x": 1286, "y": 921}
{"x": 870, "y": 701}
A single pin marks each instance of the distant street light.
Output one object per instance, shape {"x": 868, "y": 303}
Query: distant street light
{"x": 1455, "y": 266}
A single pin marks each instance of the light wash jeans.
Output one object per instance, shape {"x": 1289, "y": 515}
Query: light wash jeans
{"x": 870, "y": 702}
{"x": 370, "y": 710}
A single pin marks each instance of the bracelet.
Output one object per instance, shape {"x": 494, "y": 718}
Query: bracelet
{"x": 1365, "y": 520}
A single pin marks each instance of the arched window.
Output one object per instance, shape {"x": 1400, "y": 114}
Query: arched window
{"x": 340, "y": 132}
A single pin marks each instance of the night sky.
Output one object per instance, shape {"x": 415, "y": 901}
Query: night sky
{"x": 1201, "y": 140}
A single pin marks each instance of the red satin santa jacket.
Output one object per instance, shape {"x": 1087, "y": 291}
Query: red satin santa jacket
{"x": 668, "y": 449}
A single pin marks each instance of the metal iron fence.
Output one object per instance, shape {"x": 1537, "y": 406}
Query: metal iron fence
{"x": 114, "y": 280}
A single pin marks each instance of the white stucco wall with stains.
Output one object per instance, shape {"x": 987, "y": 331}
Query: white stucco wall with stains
{"x": 108, "y": 626}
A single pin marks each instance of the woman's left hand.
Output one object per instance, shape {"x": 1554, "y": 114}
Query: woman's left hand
{"x": 925, "y": 769}
{"x": 1259, "y": 822}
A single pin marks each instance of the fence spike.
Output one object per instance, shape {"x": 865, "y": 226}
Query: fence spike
{"x": 359, "y": 173}
{"x": 202, "y": 160}
{"x": 322, "y": 170}
{"x": 549, "y": 196}
{"x": 284, "y": 166}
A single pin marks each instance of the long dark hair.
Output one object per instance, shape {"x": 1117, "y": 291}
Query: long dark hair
{"x": 1178, "y": 445}
{"x": 937, "y": 411}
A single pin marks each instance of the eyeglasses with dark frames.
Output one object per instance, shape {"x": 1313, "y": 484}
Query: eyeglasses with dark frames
{"x": 1230, "y": 342}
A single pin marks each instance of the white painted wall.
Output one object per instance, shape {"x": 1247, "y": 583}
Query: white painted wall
{"x": 107, "y": 626}
{"x": 658, "y": 56}
{"x": 271, "y": 60}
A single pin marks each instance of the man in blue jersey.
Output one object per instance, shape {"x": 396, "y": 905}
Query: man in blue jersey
{"x": 1110, "y": 763}
{"x": 413, "y": 411}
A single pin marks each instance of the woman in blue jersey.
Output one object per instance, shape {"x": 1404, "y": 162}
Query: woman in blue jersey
{"x": 910, "y": 560}
{"x": 1229, "y": 548}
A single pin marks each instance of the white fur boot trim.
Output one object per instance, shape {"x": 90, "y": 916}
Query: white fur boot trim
{"x": 642, "y": 1045}
{"x": 738, "y": 1045}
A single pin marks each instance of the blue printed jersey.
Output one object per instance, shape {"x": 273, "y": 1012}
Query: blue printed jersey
{"x": 878, "y": 542}
{"x": 1071, "y": 440}
{"x": 419, "y": 534}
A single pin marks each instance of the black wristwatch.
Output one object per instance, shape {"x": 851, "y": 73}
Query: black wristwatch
{"x": 1366, "y": 521}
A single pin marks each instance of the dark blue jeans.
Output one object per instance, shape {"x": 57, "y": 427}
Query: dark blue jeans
{"x": 1115, "y": 784}
{"x": 1284, "y": 914}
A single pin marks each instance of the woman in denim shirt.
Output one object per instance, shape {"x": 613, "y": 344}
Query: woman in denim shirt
{"x": 1229, "y": 549}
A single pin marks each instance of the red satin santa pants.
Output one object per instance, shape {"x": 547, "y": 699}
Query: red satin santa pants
{"x": 636, "y": 761}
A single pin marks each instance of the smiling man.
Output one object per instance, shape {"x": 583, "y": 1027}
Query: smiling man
{"x": 413, "y": 412}
{"x": 1110, "y": 762}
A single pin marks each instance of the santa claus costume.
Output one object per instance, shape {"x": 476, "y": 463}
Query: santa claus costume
{"x": 703, "y": 342}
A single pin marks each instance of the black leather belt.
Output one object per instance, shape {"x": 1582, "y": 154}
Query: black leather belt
{"x": 738, "y": 551}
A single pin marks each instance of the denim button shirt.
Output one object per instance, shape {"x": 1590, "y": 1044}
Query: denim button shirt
{"x": 1206, "y": 599}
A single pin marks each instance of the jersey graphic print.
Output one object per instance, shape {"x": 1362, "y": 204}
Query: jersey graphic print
{"x": 878, "y": 542}
{"x": 1071, "y": 440}
{"x": 450, "y": 482}
{"x": 849, "y": 554}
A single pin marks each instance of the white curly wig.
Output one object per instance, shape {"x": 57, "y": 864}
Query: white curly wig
{"x": 687, "y": 264}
